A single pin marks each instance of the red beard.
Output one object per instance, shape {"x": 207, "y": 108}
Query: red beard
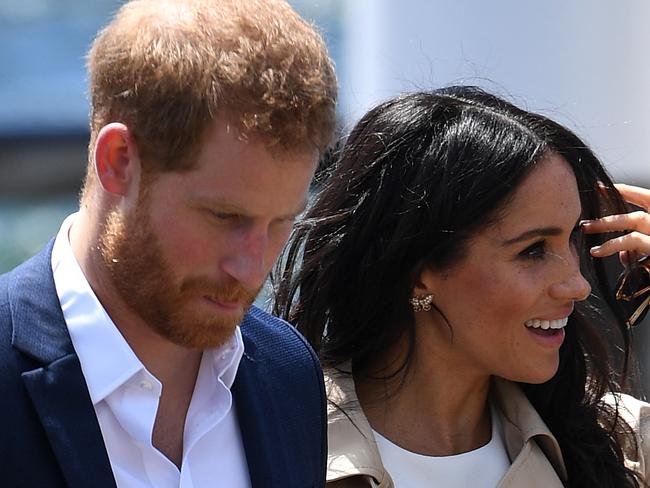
{"x": 144, "y": 280}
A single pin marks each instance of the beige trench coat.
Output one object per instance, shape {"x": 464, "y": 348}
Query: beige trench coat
{"x": 354, "y": 461}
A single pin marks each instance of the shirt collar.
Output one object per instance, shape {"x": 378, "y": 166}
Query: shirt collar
{"x": 107, "y": 360}
{"x": 225, "y": 359}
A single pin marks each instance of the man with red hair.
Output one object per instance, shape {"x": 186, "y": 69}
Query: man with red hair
{"x": 130, "y": 353}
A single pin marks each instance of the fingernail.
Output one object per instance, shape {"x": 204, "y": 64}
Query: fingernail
{"x": 582, "y": 223}
{"x": 595, "y": 250}
{"x": 603, "y": 189}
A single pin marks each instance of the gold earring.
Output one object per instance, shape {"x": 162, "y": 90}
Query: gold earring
{"x": 421, "y": 303}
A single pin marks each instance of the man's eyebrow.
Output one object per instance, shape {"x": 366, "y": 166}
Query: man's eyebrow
{"x": 222, "y": 205}
{"x": 229, "y": 207}
{"x": 300, "y": 209}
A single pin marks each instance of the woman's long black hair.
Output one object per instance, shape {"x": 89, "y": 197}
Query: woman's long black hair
{"x": 417, "y": 176}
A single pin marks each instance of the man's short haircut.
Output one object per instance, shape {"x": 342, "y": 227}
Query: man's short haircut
{"x": 168, "y": 68}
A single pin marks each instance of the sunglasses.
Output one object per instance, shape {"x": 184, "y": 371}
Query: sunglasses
{"x": 633, "y": 291}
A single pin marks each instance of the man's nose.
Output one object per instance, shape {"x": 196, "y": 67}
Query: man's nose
{"x": 248, "y": 261}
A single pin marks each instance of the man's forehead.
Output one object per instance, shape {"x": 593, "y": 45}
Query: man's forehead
{"x": 230, "y": 126}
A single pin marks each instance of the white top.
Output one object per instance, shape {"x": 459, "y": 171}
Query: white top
{"x": 481, "y": 468}
{"x": 125, "y": 395}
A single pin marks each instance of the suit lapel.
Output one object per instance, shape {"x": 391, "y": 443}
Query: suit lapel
{"x": 69, "y": 421}
{"x": 57, "y": 387}
{"x": 258, "y": 420}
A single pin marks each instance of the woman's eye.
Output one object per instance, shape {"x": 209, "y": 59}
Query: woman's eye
{"x": 576, "y": 238}
{"x": 534, "y": 251}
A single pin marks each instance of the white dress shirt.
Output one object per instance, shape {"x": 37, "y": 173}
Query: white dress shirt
{"x": 125, "y": 395}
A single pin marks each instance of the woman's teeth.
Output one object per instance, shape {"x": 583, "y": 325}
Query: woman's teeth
{"x": 546, "y": 324}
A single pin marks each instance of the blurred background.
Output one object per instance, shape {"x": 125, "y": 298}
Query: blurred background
{"x": 582, "y": 62}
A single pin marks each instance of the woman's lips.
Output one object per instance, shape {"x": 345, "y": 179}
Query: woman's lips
{"x": 546, "y": 324}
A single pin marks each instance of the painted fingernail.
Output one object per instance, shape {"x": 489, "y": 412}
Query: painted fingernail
{"x": 603, "y": 189}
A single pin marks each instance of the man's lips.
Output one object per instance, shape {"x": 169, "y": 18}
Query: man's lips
{"x": 227, "y": 304}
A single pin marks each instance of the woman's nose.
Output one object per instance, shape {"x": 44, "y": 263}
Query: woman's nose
{"x": 573, "y": 286}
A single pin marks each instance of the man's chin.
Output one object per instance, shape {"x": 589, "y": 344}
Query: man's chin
{"x": 204, "y": 343}
{"x": 200, "y": 334}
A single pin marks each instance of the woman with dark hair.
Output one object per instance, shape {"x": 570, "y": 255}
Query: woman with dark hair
{"x": 439, "y": 275}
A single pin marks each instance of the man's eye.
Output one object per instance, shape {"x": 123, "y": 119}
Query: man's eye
{"x": 224, "y": 216}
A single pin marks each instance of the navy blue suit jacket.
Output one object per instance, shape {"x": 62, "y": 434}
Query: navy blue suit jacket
{"x": 49, "y": 434}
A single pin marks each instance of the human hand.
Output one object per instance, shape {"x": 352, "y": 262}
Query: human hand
{"x": 636, "y": 242}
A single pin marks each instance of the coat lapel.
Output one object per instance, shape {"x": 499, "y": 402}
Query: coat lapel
{"x": 56, "y": 386}
{"x": 532, "y": 448}
{"x": 531, "y": 469}
{"x": 352, "y": 448}
{"x": 258, "y": 420}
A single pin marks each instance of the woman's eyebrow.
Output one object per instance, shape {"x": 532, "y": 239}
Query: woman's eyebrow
{"x": 538, "y": 232}
{"x": 533, "y": 233}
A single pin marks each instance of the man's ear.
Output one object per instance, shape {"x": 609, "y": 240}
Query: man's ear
{"x": 116, "y": 159}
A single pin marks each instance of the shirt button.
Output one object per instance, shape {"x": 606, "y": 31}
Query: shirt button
{"x": 146, "y": 385}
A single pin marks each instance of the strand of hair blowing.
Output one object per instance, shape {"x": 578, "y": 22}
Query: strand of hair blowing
{"x": 388, "y": 206}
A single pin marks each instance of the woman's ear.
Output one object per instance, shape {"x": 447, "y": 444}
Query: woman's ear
{"x": 422, "y": 295}
{"x": 116, "y": 159}
{"x": 425, "y": 282}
